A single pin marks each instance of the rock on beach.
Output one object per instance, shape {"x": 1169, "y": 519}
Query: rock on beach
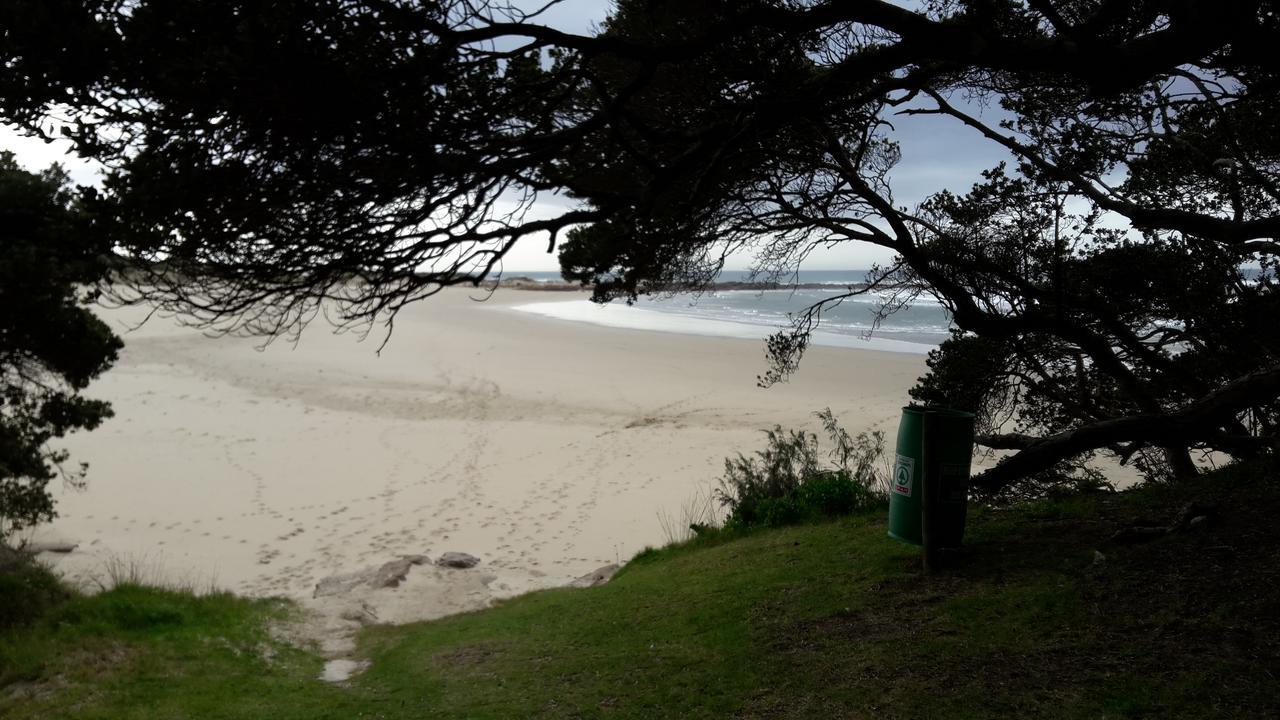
{"x": 458, "y": 560}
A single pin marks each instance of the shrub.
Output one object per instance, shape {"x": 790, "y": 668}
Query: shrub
{"x": 776, "y": 512}
{"x": 861, "y": 458}
{"x": 775, "y": 472}
{"x": 27, "y": 589}
{"x": 835, "y": 493}
{"x": 785, "y": 483}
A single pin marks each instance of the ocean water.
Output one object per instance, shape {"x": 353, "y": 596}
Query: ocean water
{"x": 755, "y": 314}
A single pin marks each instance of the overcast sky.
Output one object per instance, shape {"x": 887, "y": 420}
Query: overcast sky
{"x": 936, "y": 154}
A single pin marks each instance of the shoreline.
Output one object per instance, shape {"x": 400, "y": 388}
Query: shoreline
{"x": 546, "y": 449}
{"x": 632, "y": 318}
{"x": 524, "y": 282}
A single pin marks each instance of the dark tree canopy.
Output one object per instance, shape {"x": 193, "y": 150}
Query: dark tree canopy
{"x": 348, "y": 157}
{"x": 51, "y": 346}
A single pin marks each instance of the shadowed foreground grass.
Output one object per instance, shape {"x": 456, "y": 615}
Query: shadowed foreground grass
{"x": 831, "y": 620}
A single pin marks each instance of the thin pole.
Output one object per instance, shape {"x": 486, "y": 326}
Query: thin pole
{"x": 928, "y": 489}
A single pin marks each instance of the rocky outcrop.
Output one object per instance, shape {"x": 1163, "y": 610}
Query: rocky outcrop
{"x": 391, "y": 574}
{"x": 599, "y": 576}
{"x": 361, "y": 612}
{"x": 386, "y": 575}
{"x": 50, "y": 547}
{"x": 458, "y": 560}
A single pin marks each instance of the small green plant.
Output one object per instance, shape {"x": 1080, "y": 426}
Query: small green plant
{"x": 786, "y": 483}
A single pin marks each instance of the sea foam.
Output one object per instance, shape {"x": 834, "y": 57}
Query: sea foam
{"x": 631, "y": 317}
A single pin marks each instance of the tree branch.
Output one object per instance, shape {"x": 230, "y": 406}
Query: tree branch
{"x": 1187, "y": 424}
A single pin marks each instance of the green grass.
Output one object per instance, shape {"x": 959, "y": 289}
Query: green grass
{"x": 829, "y": 620}
{"x": 138, "y": 652}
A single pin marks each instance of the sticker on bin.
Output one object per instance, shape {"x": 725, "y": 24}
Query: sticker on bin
{"x": 904, "y": 469}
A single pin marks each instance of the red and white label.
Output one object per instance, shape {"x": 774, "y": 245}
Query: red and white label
{"x": 904, "y": 472}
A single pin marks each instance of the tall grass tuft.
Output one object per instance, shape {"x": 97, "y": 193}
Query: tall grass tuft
{"x": 127, "y": 570}
{"x": 698, "y": 513}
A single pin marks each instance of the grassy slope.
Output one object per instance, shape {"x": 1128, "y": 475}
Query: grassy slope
{"x": 830, "y": 620}
{"x": 140, "y": 652}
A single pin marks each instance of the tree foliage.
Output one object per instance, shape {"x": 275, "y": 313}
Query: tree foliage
{"x": 51, "y": 345}
{"x": 1096, "y": 279}
{"x": 272, "y": 163}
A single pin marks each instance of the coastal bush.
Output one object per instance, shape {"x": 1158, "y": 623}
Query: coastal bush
{"x": 27, "y": 589}
{"x": 834, "y": 493}
{"x": 785, "y": 483}
{"x": 861, "y": 457}
{"x": 789, "y": 456}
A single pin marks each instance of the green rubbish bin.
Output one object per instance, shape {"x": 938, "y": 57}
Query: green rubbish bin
{"x": 949, "y": 434}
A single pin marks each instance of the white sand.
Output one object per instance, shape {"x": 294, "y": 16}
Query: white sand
{"x": 543, "y": 446}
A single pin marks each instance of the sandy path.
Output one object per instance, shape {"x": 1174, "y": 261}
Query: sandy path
{"x": 545, "y": 447}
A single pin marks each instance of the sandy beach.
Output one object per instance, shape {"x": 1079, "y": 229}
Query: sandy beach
{"x": 545, "y": 447}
